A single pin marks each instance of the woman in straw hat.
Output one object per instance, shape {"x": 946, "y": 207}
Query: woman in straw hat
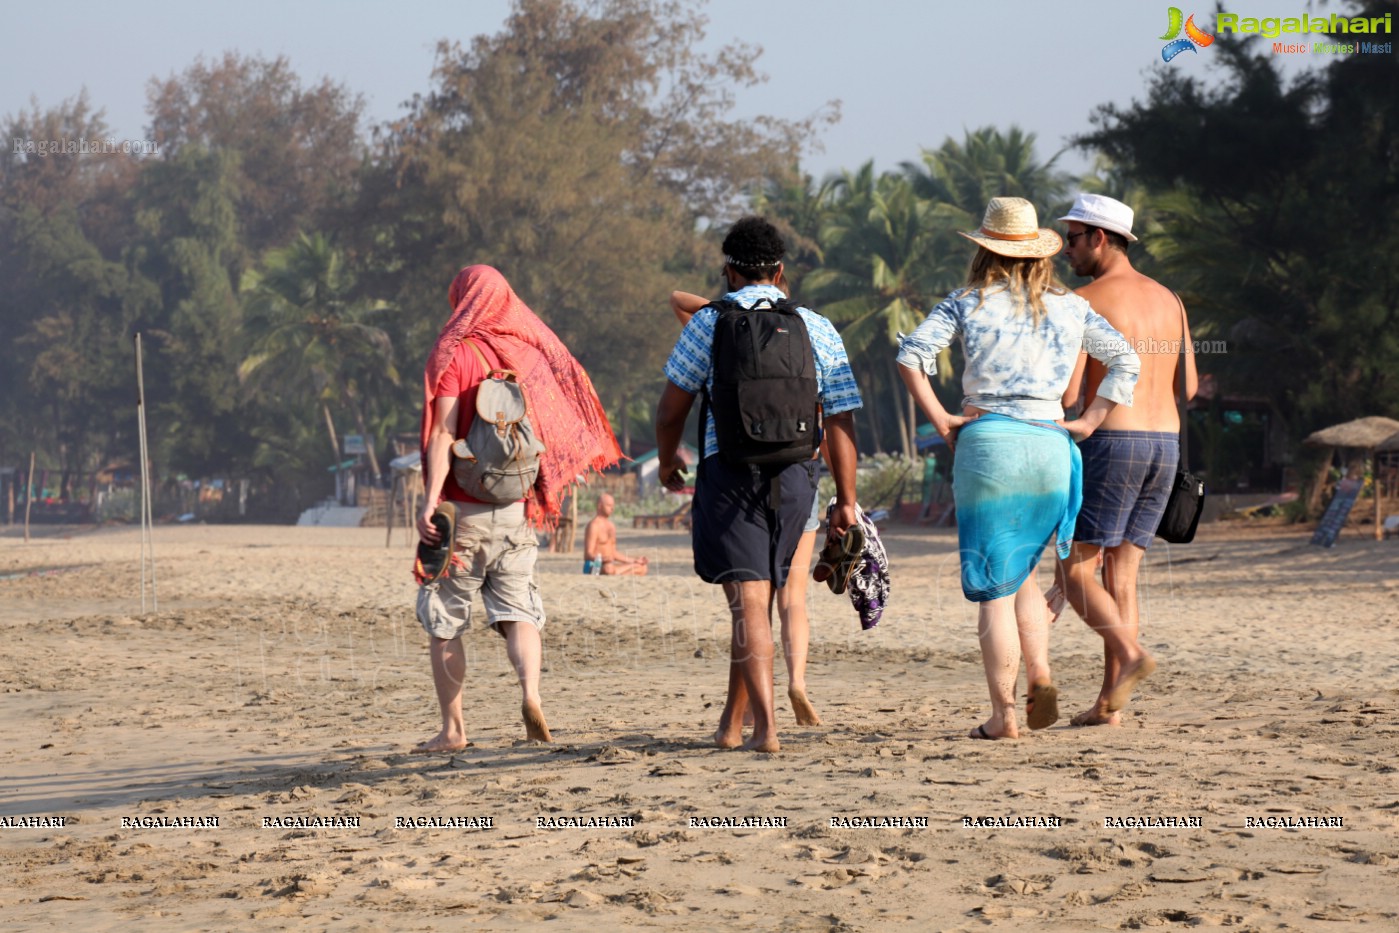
{"x": 1016, "y": 474}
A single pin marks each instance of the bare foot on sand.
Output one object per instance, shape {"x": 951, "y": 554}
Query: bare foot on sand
{"x": 802, "y": 708}
{"x": 1097, "y": 715}
{"x": 442, "y": 743}
{"x": 728, "y": 736}
{"x": 756, "y": 744}
{"x": 1127, "y": 682}
{"x": 536, "y": 729}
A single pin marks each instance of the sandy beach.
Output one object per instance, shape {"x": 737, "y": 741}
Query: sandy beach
{"x": 279, "y": 687}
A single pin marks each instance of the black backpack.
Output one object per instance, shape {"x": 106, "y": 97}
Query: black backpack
{"x": 765, "y": 403}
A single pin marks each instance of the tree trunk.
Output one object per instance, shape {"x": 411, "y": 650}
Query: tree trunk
{"x": 874, "y": 415}
{"x": 900, "y": 416}
{"x": 626, "y": 425}
{"x": 1318, "y": 484}
{"x": 330, "y": 428}
{"x": 29, "y": 495}
{"x": 912, "y": 423}
{"x": 368, "y": 441}
{"x": 905, "y": 420}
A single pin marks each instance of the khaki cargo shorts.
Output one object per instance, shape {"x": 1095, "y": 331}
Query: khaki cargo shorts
{"x": 495, "y": 555}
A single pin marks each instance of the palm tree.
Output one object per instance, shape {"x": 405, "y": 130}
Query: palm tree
{"x": 800, "y": 208}
{"x": 310, "y": 338}
{"x": 879, "y": 252}
{"x": 985, "y": 165}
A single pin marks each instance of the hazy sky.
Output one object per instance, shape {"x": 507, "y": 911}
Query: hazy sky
{"x": 908, "y": 74}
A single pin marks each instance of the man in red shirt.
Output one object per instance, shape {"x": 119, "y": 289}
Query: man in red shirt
{"x": 494, "y": 548}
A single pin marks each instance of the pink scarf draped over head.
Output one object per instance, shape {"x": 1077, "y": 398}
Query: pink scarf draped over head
{"x": 564, "y": 407}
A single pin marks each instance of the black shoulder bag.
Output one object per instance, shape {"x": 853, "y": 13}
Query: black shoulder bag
{"x": 1187, "y": 499}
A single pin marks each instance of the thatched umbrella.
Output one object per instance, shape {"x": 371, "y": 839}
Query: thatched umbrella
{"x": 1369, "y": 434}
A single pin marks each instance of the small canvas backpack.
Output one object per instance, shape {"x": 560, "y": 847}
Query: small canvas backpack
{"x": 498, "y": 460}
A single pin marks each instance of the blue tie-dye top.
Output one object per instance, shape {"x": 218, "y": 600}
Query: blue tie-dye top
{"x": 1015, "y": 367}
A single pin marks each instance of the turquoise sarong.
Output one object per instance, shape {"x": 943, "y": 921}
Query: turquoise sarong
{"x": 1018, "y": 486}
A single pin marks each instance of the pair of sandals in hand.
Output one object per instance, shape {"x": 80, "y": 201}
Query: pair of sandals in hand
{"x": 840, "y": 558}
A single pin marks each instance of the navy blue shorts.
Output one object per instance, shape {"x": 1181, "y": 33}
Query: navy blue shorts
{"x": 736, "y": 532}
{"x": 1127, "y": 479}
{"x": 813, "y": 523}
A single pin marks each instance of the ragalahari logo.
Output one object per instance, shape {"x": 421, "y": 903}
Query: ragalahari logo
{"x": 1193, "y": 36}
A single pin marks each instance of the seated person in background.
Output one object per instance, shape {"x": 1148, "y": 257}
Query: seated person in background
{"x": 600, "y": 544}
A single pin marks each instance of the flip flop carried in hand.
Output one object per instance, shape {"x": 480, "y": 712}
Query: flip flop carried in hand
{"x": 434, "y": 560}
{"x": 1042, "y": 706}
{"x": 839, "y": 558}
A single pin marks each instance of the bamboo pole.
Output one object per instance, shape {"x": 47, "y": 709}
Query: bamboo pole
{"x": 1379, "y": 497}
{"x": 28, "y": 495}
{"x": 1379, "y": 493}
{"x": 393, "y": 500}
{"x": 141, "y": 506}
{"x": 147, "y": 519}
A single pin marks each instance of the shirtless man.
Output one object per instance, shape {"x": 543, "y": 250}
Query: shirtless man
{"x": 600, "y": 544}
{"x": 1129, "y": 464}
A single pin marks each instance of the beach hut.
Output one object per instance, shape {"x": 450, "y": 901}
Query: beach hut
{"x": 407, "y": 472}
{"x": 1370, "y": 434}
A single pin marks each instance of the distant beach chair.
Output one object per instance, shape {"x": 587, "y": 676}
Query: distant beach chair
{"x": 1391, "y": 526}
{"x": 680, "y": 518}
{"x": 1264, "y": 507}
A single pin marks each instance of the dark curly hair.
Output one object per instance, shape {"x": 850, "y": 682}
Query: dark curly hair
{"x": 753, "y": 248}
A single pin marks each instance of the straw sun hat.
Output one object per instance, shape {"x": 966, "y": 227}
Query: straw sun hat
{"x": 1011, "y": 228}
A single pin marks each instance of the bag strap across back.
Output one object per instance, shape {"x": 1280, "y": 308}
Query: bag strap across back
{"x": 485, "y": 366}
{"x": 1180, "y": 395}
{"x": 509, "y": 375}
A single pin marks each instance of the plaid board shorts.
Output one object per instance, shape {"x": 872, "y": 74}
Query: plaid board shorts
{"x": 495, "y": 555}
{"x": 1127, "y": 479}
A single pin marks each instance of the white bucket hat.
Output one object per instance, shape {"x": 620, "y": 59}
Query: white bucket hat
{"x": 1011, "y": 228}
{"x": 1099, "y": 210}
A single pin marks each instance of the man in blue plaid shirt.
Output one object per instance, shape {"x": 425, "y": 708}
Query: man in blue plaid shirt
{"x": 743, "y": 538}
